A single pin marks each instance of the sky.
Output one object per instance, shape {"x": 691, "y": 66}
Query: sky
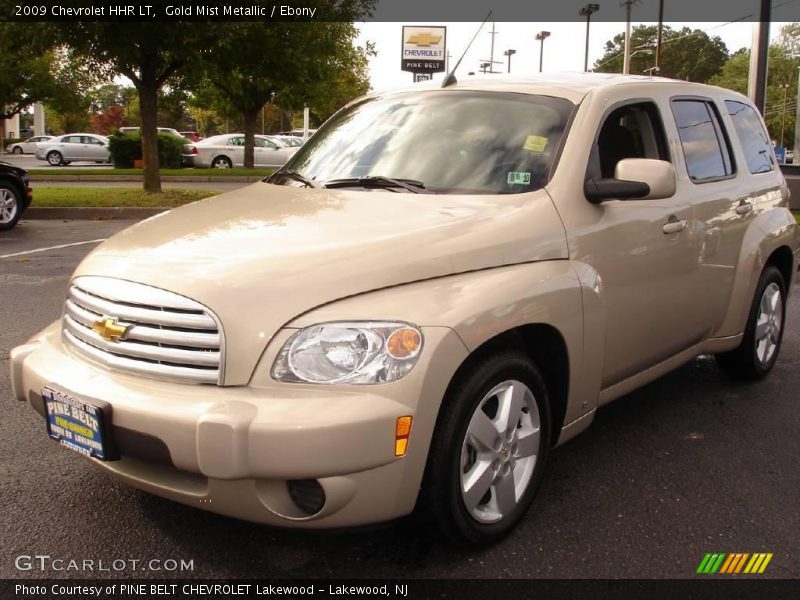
{"x": 563, "y": 50}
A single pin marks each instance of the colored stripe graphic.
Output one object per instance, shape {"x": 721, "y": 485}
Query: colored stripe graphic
{"x": 734, "y": 563}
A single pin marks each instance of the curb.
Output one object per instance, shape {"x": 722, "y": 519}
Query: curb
{"x": 138, "y": 178}
{"x": 101, "y": 213}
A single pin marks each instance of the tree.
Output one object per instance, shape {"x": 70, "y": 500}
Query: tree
{"x": 108, "y": 121}
{"x": 26, "y": 69}
{"x": 290, "y": 63}
{"x": 150, "y": 54}
{"x": 782, "y": 65}
{"x": 685, "y": 54}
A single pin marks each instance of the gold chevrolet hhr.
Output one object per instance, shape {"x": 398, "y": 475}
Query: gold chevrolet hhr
{"x": 438, "y": 288}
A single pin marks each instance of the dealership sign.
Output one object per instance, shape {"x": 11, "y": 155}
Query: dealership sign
{"x": 424, "y": 49}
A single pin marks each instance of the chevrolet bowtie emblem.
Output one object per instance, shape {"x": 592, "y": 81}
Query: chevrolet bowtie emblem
{"x": 423, "y": 39}
{"x": 109, "y": 329}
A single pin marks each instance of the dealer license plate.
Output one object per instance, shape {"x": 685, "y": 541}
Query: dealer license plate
{"x": 76, "y": 424}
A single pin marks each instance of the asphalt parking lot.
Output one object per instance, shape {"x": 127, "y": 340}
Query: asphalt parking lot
{"x": 692, "y": 463}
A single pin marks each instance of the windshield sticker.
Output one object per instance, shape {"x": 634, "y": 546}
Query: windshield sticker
{"x": 519, "y": 178}
{"x": 535, "y": 143}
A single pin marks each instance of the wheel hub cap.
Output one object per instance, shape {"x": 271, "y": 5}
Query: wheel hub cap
{"x": 769, "y": 324}
{"x": 499, "y": 451}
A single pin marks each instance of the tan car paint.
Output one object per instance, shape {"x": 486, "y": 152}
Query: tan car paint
{"x": 629, "y": 302}
{"x": 281, "y": 251}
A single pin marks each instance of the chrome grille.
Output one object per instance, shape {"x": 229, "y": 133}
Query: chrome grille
{"x": 168, "y": 336}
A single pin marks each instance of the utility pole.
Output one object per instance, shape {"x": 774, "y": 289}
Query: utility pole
{"x": 626, "y": 64}
{"x": 660, "y": 34}
{"x": 542, "y": 36}
{"x": 509, "y": 53}
{"x": 587, "y": 12}
{"x": 491, "y": 52}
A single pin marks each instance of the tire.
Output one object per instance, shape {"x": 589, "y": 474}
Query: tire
{"x": 466, "y": 489}
{"x": 761, "y": 344}
{"x": 221, "y": 162}
{"x": 10, "y": 206}
{"x": 17, "y": 150}
{"x": 55, "y": 159}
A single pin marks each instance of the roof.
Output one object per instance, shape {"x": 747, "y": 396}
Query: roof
{"x": 573, "y": 86}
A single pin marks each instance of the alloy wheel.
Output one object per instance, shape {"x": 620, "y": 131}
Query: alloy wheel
{"x": 8, "y": 206}
{"x": 769, "y": 323}
{"x": 499, "y": 451}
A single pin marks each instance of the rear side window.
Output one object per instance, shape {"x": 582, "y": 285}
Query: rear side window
{"x": 705, "y": 147}
{"x": 753, "y": 137}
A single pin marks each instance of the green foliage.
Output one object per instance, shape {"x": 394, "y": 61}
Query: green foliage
{"x": 149, "y": 53}
{"x": 287, "y": 63}
{"x": 685, "y": 54}
{"x": 127, "y": 147}
{"x": 114, "y": 196}
{"x": 170, "y": 149}
{"x": 782, "y": 70}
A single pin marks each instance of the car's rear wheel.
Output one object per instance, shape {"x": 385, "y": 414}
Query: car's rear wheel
{"x": 489, "y": 449}
{"x": 761, "y": 344}
{"x": 222, "y": 162}
{"x": 10, "y": 207}
{"x": 55, "y": 159}
{"x": 17, "y": 150}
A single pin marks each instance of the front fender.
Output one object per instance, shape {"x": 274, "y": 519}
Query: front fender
{"x": 767, "y": 232}
{"x": 481, "y": 305}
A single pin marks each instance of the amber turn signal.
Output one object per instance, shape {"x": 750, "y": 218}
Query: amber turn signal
{"x": 401, "y": 433}
{"x": 404, "y": 343}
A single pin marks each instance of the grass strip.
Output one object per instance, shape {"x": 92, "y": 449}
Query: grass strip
{"x": 99, "y": 196}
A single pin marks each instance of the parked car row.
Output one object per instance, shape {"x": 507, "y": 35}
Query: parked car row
{"x": 220, "y": 151}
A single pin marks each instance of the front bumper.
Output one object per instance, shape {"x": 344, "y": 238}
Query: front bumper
{"x": 232, "y": 450}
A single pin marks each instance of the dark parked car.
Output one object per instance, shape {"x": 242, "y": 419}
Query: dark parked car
{"x": 15, "y": 194}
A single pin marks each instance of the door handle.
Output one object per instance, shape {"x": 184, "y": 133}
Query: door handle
{"x": 744, "y": 208}
{"x": 675, "y": 226}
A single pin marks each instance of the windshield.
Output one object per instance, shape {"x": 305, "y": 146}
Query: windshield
{"x": 452, "y": 142}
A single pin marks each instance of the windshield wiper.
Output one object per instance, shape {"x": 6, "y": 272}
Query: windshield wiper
{"x": 411, "y": 185}
{"x": 298, "y": 177}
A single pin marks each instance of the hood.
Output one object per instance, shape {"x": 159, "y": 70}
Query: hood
{"x": 264, "y": 254}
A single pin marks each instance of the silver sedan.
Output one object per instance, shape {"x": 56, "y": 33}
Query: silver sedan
{"x": 28, "y": 146}
{"x": 64, "y": 149}
{"x": 227, "y": 151}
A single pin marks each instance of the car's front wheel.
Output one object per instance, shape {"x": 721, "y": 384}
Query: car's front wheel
{"x": 222, "y": 162}
{"x": 17, "y": 150}
{"x": 763, "y": 335}
{"x": 489, "y": 449}
{"x": 55, "y": 159}
{"x": 10, "y": 208}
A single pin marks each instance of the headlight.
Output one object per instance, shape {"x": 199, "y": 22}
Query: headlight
{"x": 349, "y": 352}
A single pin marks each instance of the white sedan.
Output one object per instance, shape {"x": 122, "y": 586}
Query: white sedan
{"x": 227, "y": 151}
{"x": 28, "y": 146}
{"x": 64, "y": 149}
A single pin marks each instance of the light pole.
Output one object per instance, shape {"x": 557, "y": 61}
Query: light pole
{"x": 587, "y": 12}
{"x": 509, "y": 53}
{"x": 785, "y": 87}
{"x": 542, "y": 36}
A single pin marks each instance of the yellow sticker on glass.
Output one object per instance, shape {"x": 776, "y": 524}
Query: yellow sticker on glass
{"x": 535, "y": 143}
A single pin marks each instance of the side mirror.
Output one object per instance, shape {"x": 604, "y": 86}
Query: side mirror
{"x": 639, "y": 178}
